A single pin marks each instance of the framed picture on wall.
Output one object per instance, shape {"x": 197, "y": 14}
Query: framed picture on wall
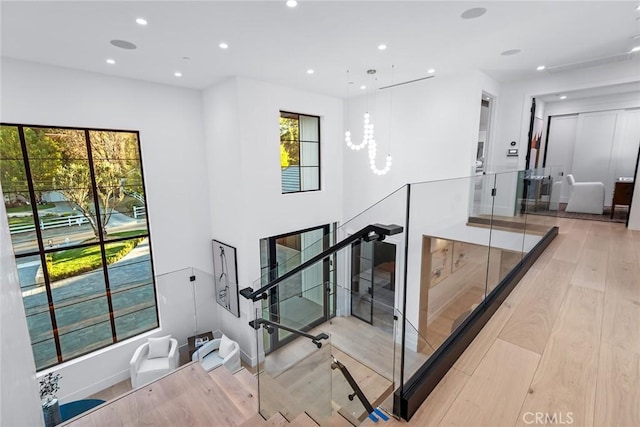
{"x": 225, "y": 272}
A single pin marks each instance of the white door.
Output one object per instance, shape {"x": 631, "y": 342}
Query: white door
{"x": 562, "y": 137}
{"x": 594, "y": 149}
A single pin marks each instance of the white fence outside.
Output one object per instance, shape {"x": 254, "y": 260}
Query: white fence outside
{"x": 66, "y": 221}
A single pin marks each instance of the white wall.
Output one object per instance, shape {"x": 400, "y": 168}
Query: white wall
{"x": 430, "y": 128}
{"x": 241, "y": 118}
{"x": 19, "y": 391}
{"x": 171, "y": 136}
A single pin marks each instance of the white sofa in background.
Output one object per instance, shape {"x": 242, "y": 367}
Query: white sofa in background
{"x": 585, "y": 197}
{"x": 220, "y": 351}
{"x": 153, "y": 359}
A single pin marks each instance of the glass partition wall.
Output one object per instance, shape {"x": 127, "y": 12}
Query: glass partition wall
{"x": 393, "y": 304}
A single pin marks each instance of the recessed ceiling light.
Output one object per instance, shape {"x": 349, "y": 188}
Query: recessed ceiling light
{"x": 638, "y": 7}
{"x": 123, "y": 44}
{"x": 382, "y": 46}
{"x": 635, "y": 37}
{"x": 563, "y": 97}
{"x": 223, "y": 45}
{"x": 476, "y": 12}
{"x": 431, "y": 70}
{"x": 141, "y": 21}
{"x": 310, "y": 71}
{"x": 510, "y": 52}
{"x": 292, "y": 3}
{"x": 111, "y": 61}
{"x": 541, "y": 67}
{"x": 177, "y": 74}
{"x": 363, "y": 87}
{"x": 635, "y": 49}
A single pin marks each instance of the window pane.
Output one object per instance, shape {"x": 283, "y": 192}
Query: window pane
{"x": 45, "y": 354}
{"x": 36, "y": 308}
{"x": 16, "y": 191}
{"x": 291, "y": 179}
{"x": 65, "y": 224}
{"x": 136, "y": 322}
{"x": 84, "y": 339}
{"x": 133, "y": 292}
{"x": 22, "y": 228}
{"x": 310, "y": 178}
{"x": 118, "y": 175}
{"x": 309, "y": 155}
{"x": 309, "y": 129}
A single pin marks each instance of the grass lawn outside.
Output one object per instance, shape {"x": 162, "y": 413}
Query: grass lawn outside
{"x": 72, "y": 262}
{"x": 28, "y": 219}
{"x": 27, "y": 208}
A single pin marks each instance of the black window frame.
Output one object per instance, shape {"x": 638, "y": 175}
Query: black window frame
{"x": 283, "y": 113}
{"x": 42, "y": 251}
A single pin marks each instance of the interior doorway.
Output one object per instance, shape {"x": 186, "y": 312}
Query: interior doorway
{"x": 597, "y": 146}
{"x": 482, "y": 150}
{"x": 373, "y": 283}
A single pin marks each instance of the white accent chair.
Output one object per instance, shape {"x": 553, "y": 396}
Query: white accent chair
{"x": 153, "y": 359}
{"x": 220, "y": 351}
{"x": 585, "y": 197}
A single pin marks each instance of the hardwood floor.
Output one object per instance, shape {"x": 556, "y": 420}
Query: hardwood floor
{"x": 564, "y": 347}
{"x": 572, "y": 327}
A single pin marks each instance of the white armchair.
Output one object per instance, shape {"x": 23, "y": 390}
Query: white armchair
{"x": 153, "y": 359}
{"x": 220, "y": 351}
{"x": 585, "y": 197}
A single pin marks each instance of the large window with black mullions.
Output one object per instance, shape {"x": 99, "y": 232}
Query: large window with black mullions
{"x": 77, "y": 214}
{"x": 299, "y": 152}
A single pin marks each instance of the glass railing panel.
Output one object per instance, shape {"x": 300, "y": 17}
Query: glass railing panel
{"x": 365, "y": 338}
{"x": 507, "y": 227}
{"x": 449, "y": 236}
{"x": 295, "y": 378}
{"x": 185, "y": 302}
{"x": 417, "y": 349}
{"x": 546, "y": 193}
{"x": 297, "y": 302}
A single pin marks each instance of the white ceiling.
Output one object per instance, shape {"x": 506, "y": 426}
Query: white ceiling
{"x": 271, "y": 42}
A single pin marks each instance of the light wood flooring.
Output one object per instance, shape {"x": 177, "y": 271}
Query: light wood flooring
{"x": 565, "y": 343}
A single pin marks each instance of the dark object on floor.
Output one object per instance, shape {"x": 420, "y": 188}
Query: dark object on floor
{"x": 72, "y": 409}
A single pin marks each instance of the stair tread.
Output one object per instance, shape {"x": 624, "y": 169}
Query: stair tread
{"x": 303, "y": 420}
{"x": 243, "y": 400}
{"x": 277, "y": 420}
{"x": 336, "y": 420}
{"x": 247, "y": 379}
{"x": 254, "y": 421}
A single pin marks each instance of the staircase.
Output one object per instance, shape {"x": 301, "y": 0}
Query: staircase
{"x": 237, "y": 396}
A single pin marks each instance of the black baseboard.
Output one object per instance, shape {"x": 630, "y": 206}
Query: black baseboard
{"x": 421, "y": 384}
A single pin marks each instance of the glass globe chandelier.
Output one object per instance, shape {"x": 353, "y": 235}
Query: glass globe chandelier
{"x": 368, "y": 138}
